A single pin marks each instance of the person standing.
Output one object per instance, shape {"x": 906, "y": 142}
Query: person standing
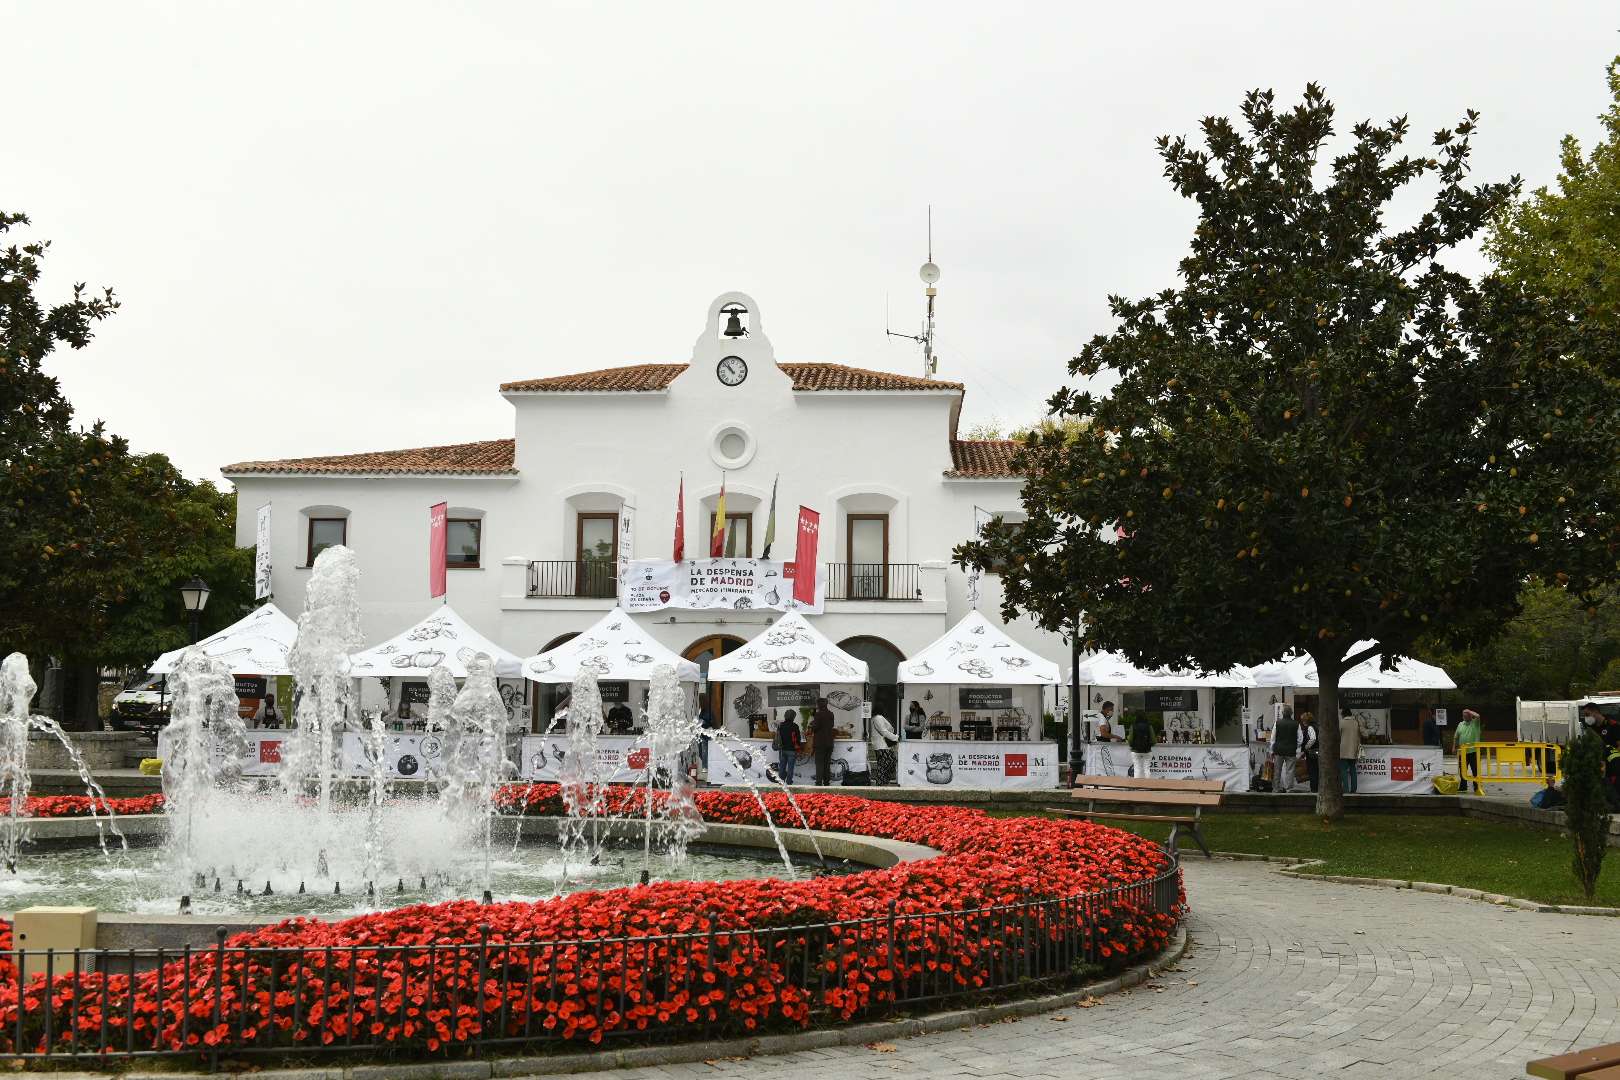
{"x": 708, "y": 722}
{"x": 1349, "y": 751}
{"x": 1284, "y": 752}
{"x": 916, "y": 721}
{"x": 821, "y": 741}
{"x": 1141, "y": 744}
{"x": 1311, "y": 745}
{"x": 883, "y": 754}
{"x": 1431, "y": 728}
{"x": 1469, "y": 732}
{"x": 787, "y": 742}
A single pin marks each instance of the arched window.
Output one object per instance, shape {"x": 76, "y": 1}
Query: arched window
{"x": 883, "y": 664}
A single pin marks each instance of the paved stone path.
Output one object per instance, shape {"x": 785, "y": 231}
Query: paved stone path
{"x": 1293, "y": 979}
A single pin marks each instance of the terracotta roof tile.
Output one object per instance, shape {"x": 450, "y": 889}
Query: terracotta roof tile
{"x": 839, "y": 377}
{"x": 641, "y": 377}
{"x": 495, "y": 456}
{"x": 644, "y": 377}
{"x": 989, "y": 457}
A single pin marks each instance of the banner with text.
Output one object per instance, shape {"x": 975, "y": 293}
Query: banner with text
{"x": 738, "y": 584}
{"x": 754, "y": 756}
{"x": 925, "y": 763}
{"x": 261, "y": 556}
{"x": 1171, "y": 762}
{"x": 438, "y": 550}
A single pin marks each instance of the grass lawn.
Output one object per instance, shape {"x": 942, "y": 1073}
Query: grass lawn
{"x": 1487, "y": 855}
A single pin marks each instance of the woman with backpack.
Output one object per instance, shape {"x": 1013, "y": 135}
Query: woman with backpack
{"x": 786, "y": 743}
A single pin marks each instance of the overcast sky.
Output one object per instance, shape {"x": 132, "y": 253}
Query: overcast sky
{"x": 338, "y": 227}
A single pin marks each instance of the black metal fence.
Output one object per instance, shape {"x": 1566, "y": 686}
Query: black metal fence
{"x": 873, "y": 581}
{"x": 233, "y": 1001}
{"x": 573, "y": 577}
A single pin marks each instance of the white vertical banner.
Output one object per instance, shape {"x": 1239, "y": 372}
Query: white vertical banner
{"x": 981, "y": 518}
{"x": 261, "y": 558}
{"x": 627, "y": 543}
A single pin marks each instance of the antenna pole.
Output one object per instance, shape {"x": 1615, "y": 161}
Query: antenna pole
{"x": 929, "y": 363}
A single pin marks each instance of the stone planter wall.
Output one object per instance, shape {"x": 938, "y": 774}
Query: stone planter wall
{"x": 101, "y": 750}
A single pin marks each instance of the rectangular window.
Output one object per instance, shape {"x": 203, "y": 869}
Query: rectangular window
{"x": 596, "y": 571}
{"x": 1016, "y": 526}
{"x": 868, "y": 551}
{"x": 462, "y": 542}
{"x": 325, "y": 533}
{"x": 739, "y": 537}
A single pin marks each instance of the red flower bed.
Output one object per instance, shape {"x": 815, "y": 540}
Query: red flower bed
{"x": 59, "y": 806}
{"x": 675, "y": 958}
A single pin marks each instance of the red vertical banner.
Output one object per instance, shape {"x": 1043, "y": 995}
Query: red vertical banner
{"x": 680, "y": 522}
{"x": 437, "y": 552}
{"x": 804, "y": 556}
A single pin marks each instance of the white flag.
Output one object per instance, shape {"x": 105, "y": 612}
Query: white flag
{"x": 981, "y": 518}
{"x": 261, "y": 560}
{"x": 627, "y": 543}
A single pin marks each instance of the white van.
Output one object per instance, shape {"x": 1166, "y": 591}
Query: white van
{"x": 143, "y": 704}
{"x": 1559, "y": 721}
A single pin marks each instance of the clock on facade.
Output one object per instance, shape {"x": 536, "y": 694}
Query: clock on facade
{"x": 732, "y": 370}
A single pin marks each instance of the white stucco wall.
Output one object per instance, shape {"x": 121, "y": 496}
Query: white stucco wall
{"x": 838, "y": 452}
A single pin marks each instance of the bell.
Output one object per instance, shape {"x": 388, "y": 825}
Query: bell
{"x": 734, "y": 326}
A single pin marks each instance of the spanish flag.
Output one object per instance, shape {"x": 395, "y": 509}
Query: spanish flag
{"x": 717, "y": 542}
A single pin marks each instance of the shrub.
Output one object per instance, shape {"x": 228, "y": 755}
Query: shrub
{"x": 1586, "y": 807}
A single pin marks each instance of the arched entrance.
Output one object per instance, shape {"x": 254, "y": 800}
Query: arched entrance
{"x": 883, "y": 663}
{"x": 549, "y": 697}
{"x": 700, "y": 652}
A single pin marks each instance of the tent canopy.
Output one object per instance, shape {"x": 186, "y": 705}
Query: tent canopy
{"x": 443, "y": 637}
{"x": 1299, "y": 671}
{"x": 977, "y": 650}
{"x": 255, "y": 645}
{"x": 791, "y": 651}
{"x": 615, "y": 648}
{"x": 1111, "y": 669}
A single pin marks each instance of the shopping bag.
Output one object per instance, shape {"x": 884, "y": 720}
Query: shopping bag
{"x": 1268, "y": 771}
{"x": 1445, "y": 784}
{"x": 1302, "y": 770}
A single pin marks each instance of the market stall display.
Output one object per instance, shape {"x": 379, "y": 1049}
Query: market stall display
{"x": 1382, "y": 769}
{"x": 754, "y": 756}
{"x": 789, "y": 665}
{"x": 443, "y": 637}
{"x": 1172, "y": 762}
{"x": 621, "y": 654}
{"x": 1185, "y": 698}
{"x": 1365, "y": 689}
{"x": 978, "y": 686}
{"x": 255, "y": 649}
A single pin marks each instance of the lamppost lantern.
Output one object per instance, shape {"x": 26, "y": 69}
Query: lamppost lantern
{"x": 195, "y": 595}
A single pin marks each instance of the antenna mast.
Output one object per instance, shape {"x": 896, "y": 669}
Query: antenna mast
{"x": 929, "y": 274}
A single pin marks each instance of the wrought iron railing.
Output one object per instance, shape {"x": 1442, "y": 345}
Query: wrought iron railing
{"x": 235, "y": 1000}
{"x": 873, "y": 581}
{"x": 573, "y": 577}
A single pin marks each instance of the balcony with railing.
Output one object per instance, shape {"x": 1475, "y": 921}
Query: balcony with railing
{"x": 597, "y": 578}
{"x": 873, "y": 581}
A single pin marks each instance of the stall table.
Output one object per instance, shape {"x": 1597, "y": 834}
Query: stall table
{"x": 929, "y": 763}
{"x": 1382, "y": 770}
{"x": 1226, "y": 762}
{"x": 754, "y": 755}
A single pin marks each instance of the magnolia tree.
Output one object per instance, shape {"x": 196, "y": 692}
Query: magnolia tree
{"x": 1322, "y": 439}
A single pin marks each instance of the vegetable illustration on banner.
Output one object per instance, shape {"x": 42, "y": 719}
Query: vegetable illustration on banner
{"x": 437, "y": 550}
{"x": 627, "y": 538}
{"x": 261, "y": 556}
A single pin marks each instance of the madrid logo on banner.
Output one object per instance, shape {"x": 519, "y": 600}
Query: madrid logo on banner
{"x": 804, "y": 555}
{"x": 437, "y": 548}
{"x": 739, "y": 584}
{"x": 261, "y": 556}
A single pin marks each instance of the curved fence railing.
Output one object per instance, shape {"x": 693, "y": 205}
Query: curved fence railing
{"x": 234, "y": 1001}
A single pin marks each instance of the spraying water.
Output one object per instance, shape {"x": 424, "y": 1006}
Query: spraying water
{"x": 671, "y": 728}
{"x": 328, "y": 631}
{"x": 203, "y": 748}
{"x": 16, "y": 692}
{"x": 478, "y": 721}
{"x": 583, "y": 790}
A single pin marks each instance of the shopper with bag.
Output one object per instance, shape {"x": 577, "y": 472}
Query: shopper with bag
{"x": 1284, "y": 750}
{"x": 786, "y": 742}
{"x": 883, "y": 755}
{"x": 1310, "y": 745}
{"x": 1349, "y": 751}
{"x": 1141, "y": 744}
{"x": 821, "y": 741}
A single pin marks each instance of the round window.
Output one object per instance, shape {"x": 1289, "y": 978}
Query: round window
{"x": 733, "y": 445}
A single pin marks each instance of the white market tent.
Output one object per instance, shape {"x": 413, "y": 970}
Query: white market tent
{"x": 1111, "y": 669}
{"x": 791, "y": 651}
{"x": 443, "y": 637}
{"x": 255, "y": 645}
{"x": 1299, "y": 672}
{"x": 615, "y": 648}
{"x": 976, "y": 650}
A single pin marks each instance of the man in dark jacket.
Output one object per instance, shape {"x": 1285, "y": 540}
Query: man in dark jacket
{"x": 1141, "y": 743}
{"x": 1431, "y": 728}
{"x": 1284, "y": 751}
{"x": 821, "y": 741}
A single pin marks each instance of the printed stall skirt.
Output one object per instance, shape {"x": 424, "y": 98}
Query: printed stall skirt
{"x": 884, "y": 764}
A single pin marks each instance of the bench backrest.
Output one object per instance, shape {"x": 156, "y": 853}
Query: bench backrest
{"x": 1131, "y": 783}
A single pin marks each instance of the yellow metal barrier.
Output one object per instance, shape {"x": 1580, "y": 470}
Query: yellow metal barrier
{"x": 1509, "y": 762}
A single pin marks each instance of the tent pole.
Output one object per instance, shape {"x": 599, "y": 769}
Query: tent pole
{"x": 1076, "y": 706}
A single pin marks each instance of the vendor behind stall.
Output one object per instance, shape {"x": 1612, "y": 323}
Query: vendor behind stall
{"x": 620, "y": 720}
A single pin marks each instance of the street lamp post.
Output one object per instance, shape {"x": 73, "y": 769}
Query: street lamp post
{"x": 195, "y": 595}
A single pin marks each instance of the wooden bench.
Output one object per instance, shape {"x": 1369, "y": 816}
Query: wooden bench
{"x": 1196, "y": 794}
{"x": 1598, "y": 1063}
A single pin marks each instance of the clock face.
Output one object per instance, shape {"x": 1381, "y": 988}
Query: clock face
{"x": 732, "y": 370}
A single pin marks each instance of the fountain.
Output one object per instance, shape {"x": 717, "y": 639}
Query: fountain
{"x": 203, "y": 748}
{"x": 328, "y": 631}
{"x": 480, "y": 766}
{"x": 16, "y": 694}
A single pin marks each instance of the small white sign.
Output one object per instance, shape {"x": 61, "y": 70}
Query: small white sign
{"x": 866, "y": 710}
{"x": 1440, "y": 717}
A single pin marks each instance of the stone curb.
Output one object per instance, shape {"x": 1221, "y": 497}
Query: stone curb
{"x": 687, "y": 1053}
{"x": 1450, "y": 890}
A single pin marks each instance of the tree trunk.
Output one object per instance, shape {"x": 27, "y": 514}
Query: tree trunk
{"x": 1330, "y": 792}
{"x": 81, "y": 705}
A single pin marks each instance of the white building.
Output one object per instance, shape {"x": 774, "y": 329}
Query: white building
{"x": 535, "y": 518}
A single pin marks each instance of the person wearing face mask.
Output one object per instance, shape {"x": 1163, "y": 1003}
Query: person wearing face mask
{"x": 1607, "y": 729}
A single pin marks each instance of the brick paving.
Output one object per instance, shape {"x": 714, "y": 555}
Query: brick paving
{"x": 1293, "y": 979}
